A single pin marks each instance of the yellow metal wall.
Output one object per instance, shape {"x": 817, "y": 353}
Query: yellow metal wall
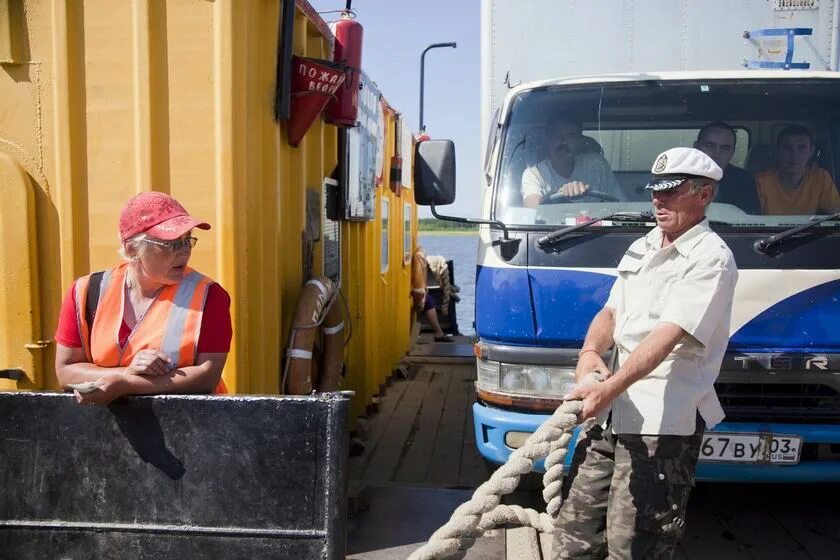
{"x": 380, "y": 302}
{"x": 103, "y": 99}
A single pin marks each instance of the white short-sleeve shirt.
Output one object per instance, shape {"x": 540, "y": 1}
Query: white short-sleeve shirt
{"x": 689, "y": 283}
{"x": 590, "y": 168}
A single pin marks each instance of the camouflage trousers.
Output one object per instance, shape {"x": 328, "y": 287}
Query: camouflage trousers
{"x": 626, "y": 495}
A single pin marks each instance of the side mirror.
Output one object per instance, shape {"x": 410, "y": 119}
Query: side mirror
{"x": 434, "y": 172}
{"x": 434, "y": 185}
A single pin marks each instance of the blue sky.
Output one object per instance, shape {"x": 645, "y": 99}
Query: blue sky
{"x": 395, "y": 34}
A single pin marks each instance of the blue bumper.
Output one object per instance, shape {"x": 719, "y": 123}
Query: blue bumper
{"x": 491, "y": 425}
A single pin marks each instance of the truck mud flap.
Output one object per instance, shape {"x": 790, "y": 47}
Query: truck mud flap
{"x": 181, "y": 477}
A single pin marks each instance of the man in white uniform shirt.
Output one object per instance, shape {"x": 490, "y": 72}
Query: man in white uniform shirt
{"x": 668, "y": 316}
{"x": 569, "y": 170}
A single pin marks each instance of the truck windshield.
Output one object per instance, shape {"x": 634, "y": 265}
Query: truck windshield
{"x": 570, "y": 153}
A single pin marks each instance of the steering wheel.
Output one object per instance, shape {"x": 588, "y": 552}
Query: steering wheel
{"x": 601, "y": 196}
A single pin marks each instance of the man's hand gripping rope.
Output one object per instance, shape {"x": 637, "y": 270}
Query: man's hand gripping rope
{"x": 484, "y": 511}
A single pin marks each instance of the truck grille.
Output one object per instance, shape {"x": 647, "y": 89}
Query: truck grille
{"x": 782, "y": 402}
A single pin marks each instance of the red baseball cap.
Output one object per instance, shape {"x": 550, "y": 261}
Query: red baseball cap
{"x": 158, "y": 215}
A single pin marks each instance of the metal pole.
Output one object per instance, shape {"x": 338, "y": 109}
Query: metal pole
{"x": 422, "y": 72}
{"x": 282, "y": 98}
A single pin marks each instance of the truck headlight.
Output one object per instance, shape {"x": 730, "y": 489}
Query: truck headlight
{"x": 487, "y": 375}
{"x": 516, "y": 379}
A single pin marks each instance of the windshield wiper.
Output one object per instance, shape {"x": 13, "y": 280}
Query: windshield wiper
{"x": 764, "y": 245}
{"x": 547, "y": 241}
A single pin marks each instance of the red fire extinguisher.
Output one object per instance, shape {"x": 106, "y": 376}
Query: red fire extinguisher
{"x": 343, "y": 109}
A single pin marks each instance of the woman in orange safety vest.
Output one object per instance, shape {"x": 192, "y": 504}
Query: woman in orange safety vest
{"x": 150, "y": 325}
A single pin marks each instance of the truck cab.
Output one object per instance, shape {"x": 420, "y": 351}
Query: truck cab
{"x": 544, "y": 270}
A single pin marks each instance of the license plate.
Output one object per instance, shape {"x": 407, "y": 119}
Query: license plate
{"x": 771, "y": 449}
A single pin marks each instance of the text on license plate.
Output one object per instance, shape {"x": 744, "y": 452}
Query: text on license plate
{"x": 773, "y": 449}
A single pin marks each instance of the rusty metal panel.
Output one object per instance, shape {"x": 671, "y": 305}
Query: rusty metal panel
{"x": 173, "y": 476}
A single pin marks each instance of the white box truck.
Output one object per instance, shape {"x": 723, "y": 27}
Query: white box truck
{"x": 641, "y": 76}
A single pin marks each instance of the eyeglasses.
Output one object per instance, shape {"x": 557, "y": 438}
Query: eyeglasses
{"x": 176, "y": 245}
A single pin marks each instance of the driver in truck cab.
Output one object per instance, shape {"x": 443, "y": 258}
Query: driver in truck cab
{"x": 574, "y": 166}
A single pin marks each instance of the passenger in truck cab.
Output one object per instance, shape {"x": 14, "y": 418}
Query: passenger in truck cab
{"x": 150, "y": 325}
{"x": 737, "y": 187}
{"x": 571, "y": 168}
{"x": 796, "y": 185}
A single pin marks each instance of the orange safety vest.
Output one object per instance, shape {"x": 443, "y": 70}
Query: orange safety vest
{"x": 171, "y": 325}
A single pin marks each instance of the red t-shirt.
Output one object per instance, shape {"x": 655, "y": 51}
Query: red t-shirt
{"x": 214, "y": 337}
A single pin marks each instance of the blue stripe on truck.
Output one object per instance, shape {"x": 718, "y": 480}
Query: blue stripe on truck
{"x": 565, "y": 302}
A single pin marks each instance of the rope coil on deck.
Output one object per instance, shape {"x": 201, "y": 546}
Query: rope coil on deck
{"x": 484, "y": 511}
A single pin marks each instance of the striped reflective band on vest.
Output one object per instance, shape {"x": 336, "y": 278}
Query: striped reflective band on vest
{"x": 180, "y": 314}
{"x": 171, "y": 324}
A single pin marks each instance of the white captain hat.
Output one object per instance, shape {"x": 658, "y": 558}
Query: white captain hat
{"x": 672, "y": 167}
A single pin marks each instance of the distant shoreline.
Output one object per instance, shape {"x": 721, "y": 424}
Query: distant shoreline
{"x": 448, "y": 232}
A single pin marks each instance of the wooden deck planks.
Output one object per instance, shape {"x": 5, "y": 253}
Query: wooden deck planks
{"x": 809, "y": 530}
{"x": 790, "y": 521}
{"x": 734, "y": 522}
{"x": 763, "y": 536}
{"x": 377, "y": 426}
{"x": 389, "y": 449}
{"x": 414, "y": 466}
{"x": 423, "y": 436}
{"x": 423, "y": 433}
{"x": 708, "y": 534}
{"x": 445, "y": 466}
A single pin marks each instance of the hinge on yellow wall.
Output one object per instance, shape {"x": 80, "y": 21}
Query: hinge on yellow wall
{"x": 38, "y": 344}
{"x": 15, "y": 374}
{"x": 11, "y": 11}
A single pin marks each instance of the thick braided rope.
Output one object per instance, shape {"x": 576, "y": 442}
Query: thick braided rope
{"x": 483, "y": 511}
